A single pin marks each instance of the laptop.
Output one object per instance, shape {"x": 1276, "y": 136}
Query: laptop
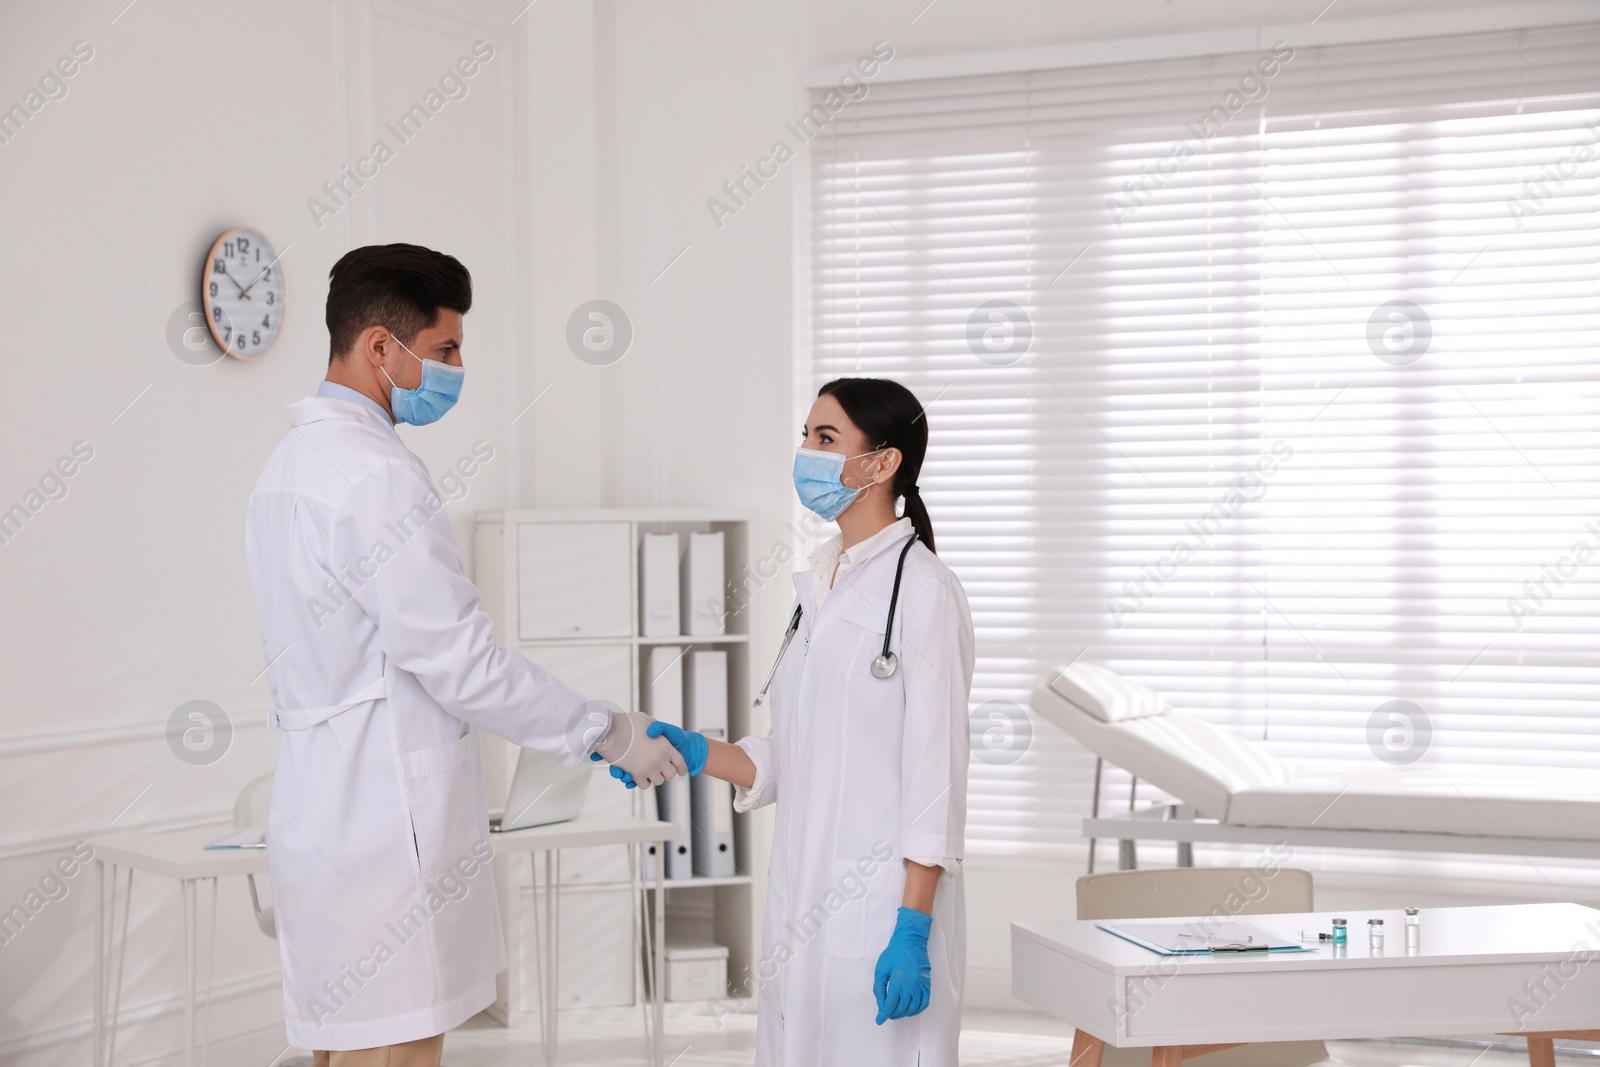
{"x": 543, "y": 792}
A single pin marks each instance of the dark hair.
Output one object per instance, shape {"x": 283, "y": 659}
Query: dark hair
{"x": 401, "y": 287}
{"x": 891, "y": 417}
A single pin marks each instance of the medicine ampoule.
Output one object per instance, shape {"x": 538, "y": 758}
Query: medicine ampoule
{"x": 1341, "y": 932}
{"x": 1413, "y": 931}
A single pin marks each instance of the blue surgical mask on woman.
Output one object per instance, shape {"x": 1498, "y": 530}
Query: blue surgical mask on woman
{"x": 817, "y": 478}
{"x": 436, "y": 394}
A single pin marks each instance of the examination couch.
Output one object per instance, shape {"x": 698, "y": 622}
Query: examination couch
{"x": 1233, "y": 790}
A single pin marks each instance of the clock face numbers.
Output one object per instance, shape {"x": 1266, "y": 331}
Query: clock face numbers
{"x": 243, "y": 294}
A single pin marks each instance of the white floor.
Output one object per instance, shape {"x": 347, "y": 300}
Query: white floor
{"x": 989, "y": 1039}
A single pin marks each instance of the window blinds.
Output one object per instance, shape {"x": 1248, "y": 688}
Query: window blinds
{"x": 1288, "y": 407}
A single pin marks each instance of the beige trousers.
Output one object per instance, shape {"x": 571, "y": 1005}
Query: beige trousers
{"x": 423, "y": 1053}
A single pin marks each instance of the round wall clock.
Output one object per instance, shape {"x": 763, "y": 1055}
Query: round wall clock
{"x": 242, "y": 291}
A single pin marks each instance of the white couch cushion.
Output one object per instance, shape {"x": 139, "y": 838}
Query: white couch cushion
{"x": 1185, "y": 756}
{"x": 1512, "y": 801}
{"x": 1107, "y": 695}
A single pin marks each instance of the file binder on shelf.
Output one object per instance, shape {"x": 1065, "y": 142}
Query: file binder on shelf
{"x": 663, "y": 687}
{"x": 652, "y": 852}
{"x": 705, "y": 693}
{"x": 712, "y": 801}
{"x": 659, "y": 613}
{"x": 703, "y": 593}
{"x": 663, "y": 690}
{"x": 671, "y": 807}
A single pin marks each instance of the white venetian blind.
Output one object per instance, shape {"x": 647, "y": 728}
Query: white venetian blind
{"x": 1377, "y": 266}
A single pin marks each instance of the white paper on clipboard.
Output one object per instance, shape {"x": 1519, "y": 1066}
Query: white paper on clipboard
{"x": 1192, "y": 938}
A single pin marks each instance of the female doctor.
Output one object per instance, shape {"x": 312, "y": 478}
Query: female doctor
{"x": 864, "y": 946}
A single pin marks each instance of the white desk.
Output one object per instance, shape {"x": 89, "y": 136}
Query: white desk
{"x": 181, "y": 856}
{"x": 634, "y": 832}
{"x": 1472, "y": 964}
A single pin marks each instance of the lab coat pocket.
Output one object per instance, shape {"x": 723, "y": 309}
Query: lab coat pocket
{"x": 445, "y": 795}
{"x": 865, "y": 620}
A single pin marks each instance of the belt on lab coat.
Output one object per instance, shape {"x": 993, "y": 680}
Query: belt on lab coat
{"x": 304, "y": 718}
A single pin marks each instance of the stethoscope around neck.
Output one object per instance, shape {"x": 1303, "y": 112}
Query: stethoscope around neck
{"x": 883, "y": 665}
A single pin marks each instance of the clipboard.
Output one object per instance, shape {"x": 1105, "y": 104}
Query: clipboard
{"x": 1195, "y": 939}
{"x": 240, "y": 839}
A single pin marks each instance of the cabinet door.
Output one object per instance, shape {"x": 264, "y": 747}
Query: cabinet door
{"x": 574, "y": 580}
{"x": 599, "y": 672}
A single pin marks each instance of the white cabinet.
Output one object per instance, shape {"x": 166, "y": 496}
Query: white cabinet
{"x": 574, "y": 579}
{"x": 599, "y": 672}
{"x": 566, "y": 587}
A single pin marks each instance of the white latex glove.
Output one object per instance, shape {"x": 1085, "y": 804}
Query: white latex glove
{"x": 651, "y": 760}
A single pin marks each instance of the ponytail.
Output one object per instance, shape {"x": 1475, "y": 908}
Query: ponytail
{"x": 918, "y": 511}
{"x": 890, "y": 415}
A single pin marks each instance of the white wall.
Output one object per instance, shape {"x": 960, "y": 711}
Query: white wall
{"x": 129, "y": 597}
{"x": 704, "y": 91}
{"x": 581, "y": 161}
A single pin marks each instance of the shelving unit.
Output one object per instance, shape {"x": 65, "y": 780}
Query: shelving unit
{"x": 563, "y": 586}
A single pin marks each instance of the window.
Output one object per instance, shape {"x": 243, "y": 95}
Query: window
{"x": 1271, "y": 380}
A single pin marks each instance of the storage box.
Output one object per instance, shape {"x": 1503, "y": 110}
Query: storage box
{"x": 696, "y": 970}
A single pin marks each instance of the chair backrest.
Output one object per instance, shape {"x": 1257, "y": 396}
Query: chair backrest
{"x": 250, "y": 810}
{"x": 1223, "y": 891}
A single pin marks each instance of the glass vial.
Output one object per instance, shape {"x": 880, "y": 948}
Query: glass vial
{"x": 1413, "y": 931}
{"x": 1375, "y": 934}
{"x": 1341, "y": 932}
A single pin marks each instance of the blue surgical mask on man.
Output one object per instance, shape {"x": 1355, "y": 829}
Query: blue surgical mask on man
{"x": 818, "y": 481}
{"x": 436, "y": 394}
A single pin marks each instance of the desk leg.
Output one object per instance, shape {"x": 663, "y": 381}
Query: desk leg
{"x": 555, "y": 952}
{"x": 1166, "y": 1056}
{"x": 540, "y": 947}
{"x": 189, "y": 931}
{"x": 1086, "y": 1049}
{"x": 658, "y": 961}
{"x": 99, "y": 962}
{"x": 636, "y": 944}
{"x": 211, "y": 972}
{"x": 120, "y": 956}
{"x": 548, "y": 952}
{"x": 1541, "y": 1046}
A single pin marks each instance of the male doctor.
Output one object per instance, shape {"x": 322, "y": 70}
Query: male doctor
{"x": 382, "y": 667}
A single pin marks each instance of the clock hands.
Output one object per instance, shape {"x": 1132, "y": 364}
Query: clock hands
{"x": 242, "y": 290}
{"x": 265, "y": 270}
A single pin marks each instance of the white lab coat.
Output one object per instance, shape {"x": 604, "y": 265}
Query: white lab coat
{"x": 865, "y": 772}
{"x": 381, "y": 666}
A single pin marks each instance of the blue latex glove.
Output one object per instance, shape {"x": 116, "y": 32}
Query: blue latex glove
{"x": 903, "y": 978}
{"x": 690, "y": 745}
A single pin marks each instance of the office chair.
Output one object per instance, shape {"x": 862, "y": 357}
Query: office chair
{"x": 250, "y": 813}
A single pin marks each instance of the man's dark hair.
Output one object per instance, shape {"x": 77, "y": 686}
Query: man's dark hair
{"x": 401, "y": 287}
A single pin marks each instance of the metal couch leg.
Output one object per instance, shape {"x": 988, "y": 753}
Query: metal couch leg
{"x": 1128, "y": 851}
{"x": 1094, "y": 809}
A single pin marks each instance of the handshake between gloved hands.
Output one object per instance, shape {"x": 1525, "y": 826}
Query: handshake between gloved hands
{"x": 691, "y": 748}
{"x": 633, "y": 748}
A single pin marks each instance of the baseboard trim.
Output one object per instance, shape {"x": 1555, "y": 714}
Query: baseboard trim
{"x": 148, "y": 1011}
{"x": 990, "y": 987}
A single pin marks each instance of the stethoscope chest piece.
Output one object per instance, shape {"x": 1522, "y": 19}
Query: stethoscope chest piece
{"x": 884, "y": 666}
{"x": 886, "y": 662}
